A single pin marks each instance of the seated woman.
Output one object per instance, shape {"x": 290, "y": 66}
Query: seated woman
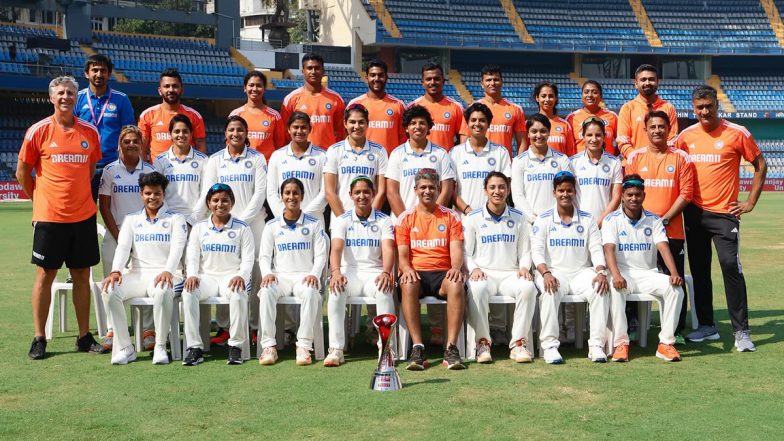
{"x": 292, "y": 258}
{"x": 153, "y": 240}
{"x": 219, "y": 261}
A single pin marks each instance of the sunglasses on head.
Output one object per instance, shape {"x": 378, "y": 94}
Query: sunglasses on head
{"x": 220, "y": 187}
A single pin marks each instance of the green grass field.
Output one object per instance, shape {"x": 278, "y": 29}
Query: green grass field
{"x": 714, "y": 393}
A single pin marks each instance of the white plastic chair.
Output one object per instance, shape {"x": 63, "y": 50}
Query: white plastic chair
{"x": 404, "y": 337}
{"x": 136, "y": 305}
{"x": 471, "y": 334}
{"x": 204, "y": 325}
{"x": 60, "y": 291}
{"x": 690, "y": 287}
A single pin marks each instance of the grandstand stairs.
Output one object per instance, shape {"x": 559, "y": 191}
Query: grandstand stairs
{"x": 118, "y": 75}
{"x": 386, "y": 18}
{"x": 775, "y": 19}
{"x": 645, "y": 23}
{"x": 241, "y": 59}
{"x": 724, "y": 101}
{"x": 457, "y": 80}
{"x": 517, "y": 21}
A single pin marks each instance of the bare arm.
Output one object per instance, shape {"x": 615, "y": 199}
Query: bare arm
{"x": 393, "y": 196}
{"x": 25, "y": 177}
{"x": 105, "y": 207}
{"x": 760, "y": 171}
{"x": 381, "y": 195}
{"x": 445, "y": 197}
{"x": 330, "y": 191}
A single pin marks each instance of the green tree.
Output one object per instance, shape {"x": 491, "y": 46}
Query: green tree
{"x": 136, "y": 26}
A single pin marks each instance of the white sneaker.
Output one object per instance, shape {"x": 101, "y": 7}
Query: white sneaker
{"x": 596, "y": 354}
{"x": 159, "y": 355}
{"x": 303, "y": 356}
{"x": 552, "y": 356}
{"x": 520, "y": 353}
{"x": 334, "y": 358}
{"x": 268, "y": 356}
{"x": 124, "y": 355}
{"x": 483, "y": 354}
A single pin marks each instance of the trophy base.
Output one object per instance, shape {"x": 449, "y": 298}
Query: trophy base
{"x": 386, "y": 381}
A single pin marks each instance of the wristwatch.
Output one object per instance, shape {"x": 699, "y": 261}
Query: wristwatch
{"x": 665, "y": 221}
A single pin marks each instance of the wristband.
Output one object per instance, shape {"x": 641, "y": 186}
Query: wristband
{"x": 466, "y": 209}
{"x": 387, "y": 273}
{"x": 546, "y": 273}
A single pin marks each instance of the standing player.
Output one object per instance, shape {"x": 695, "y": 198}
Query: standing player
{"x": 715, "y": 147}
{"x": 567, "y": 252}
{"x": 292, "y": 259}
{"x": 631, "y": 238}
{"x": 183, "y": 166}
{"x": 476, "y": 158}
{"x": 508, "y": 122}
{"x": 154, "y": 121}
{"x": 219, "y": 260}
{"x": 561, "y": 137}
{"x": 447, "y": 114}
{"x": 413, "y": 155}
{"x": 631, "y": 118}
{"x": 62, "y": 150}
{"x": 598, "y": 173}
{"x": 592, "y": 100}
{"x": 266, "y": 131}
{"x": 153, "y": 240}
{"x": 669, "y": 182}
{"x": 302, "y": 160}
{"x": 323, "y": 105}
{"x": 498, "y": 257}
{"x": 105, "y": 108}
{"x": 362, "y": 256}
{"x": 350, "y": 158}
{"x": 534, "y": 169}
{"x": 429, "y": 241}
{"x": 385, "y": 125}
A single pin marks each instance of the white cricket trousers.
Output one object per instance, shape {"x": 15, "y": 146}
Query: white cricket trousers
{"x": 577, "y": 284}
{"x": 221, "y": 311}
{"x": 503, "y": 283}
{"x": 139, "y": 284}
{"x": 653, "y": 283}
{"x": 210, "y": 286}
{"x": 288, "y": 284}
{"x": 108, "y": 247}
{"x": 359, "y": 285}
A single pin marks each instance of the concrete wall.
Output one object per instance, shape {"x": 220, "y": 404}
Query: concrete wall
{"x": 340, "y": 19}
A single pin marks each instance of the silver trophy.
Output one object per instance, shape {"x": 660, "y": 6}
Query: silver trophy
{"x": 386, "y": 377}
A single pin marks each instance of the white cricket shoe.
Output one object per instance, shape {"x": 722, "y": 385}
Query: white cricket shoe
{"x": 520, "y": 353}
{"x": 552, "y": 356}
{"x": 124, "y": 355}
{"x": 303, "y": 356}
{"x": 483, "y": 354}
{"x": 596, "y": 354}
{"x": 159, "y": 355}
{"x": 268, "y": 356}
{"x": 334, "y": 358}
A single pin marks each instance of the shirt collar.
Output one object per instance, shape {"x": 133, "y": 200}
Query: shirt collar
{"x": 139, "y": 165}
{"x": 300, "y": 221}
{"x": 108, "y": 93}
{"x": 630, "y": 221}
{"x": 410, "y": 150}
{"x": 531, "y": 154}
{"x": 655, "y": 104}
{"x": 229, "y": 224}
{"x": 489, "y": 216}
{"x": 227, "y": 155}
{"x": 308, "y": 151}
{"x": 470, "y": 149}
{"x": 174, "y": 157}
{"x": 347, "y": 147}
{"x": 371, "y": 217}
{"x": 557, "y": 219}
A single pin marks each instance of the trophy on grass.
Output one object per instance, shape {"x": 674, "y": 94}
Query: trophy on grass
{"x": 386, "y": 377}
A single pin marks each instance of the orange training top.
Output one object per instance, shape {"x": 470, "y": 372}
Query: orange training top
{"x": 447, "y": 117}
{"x": 508, "y": 119}
{"x": 610, "y": 120}
{"x": 326, "y": 114}
{"x": 266, "y": 129}
{"x": 428, "y": 237}
{"x": 154, "y": 123}
{"x": 631, "y": 123}
{"x": 386, "y": 120}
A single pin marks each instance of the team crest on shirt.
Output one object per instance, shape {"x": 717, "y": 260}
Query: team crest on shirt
{"x": 248, "y": 163}
{"x": 447, "y": 115}
{"x": 85, "y": 145}
{"x": 606, "y": 168}
{"x": 165, "y": 224}
{"x": 390, "y": 112}
{"x": 433, "y": 159}
{"x": 491, "y": 161}
{"x": 648, "y": 231}
{"x": 111, "y": 107}
{"x": 184, "y": 228}
{"x": 305, "y": 231}
{"x": 535, "y": 230}
{"x": 580, "y": 229}
{"x": 374, "y": 228}
{"x": 508, "y": 115}
{"x": 371, "y": 157}
{"x": 232, "y": 234}
{"x": 194, "y": 164}
{"x": 510, "y": 223}
{"x": 442, "y": 228}
{"x": 265, "y": 123}
{"x": 328, "y": 106}
{"x": 670, "y": 168}
{"x": 719, "y": 145}
{"x": 312, "y": 161}
{"x": 559, "y": 129}
{"x": 554, "y": 164}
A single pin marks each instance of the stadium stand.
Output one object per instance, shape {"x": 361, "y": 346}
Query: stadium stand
{"x": 36, "y": 60}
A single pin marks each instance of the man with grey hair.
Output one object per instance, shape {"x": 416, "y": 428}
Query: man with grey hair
{"x": 62, "y": 150}
{"x": 429, "y": 240}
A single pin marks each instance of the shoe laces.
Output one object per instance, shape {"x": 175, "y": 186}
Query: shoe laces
{"x": 452, "y": 351}
{"x": 743, "y": 335}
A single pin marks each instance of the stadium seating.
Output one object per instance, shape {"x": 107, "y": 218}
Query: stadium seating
{"x": 37, "y": 61}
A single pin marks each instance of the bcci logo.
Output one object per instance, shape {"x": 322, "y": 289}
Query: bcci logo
{"x": 535, "y": 230}
{"x": 606, "y": 168}
{"x": 371, "y": 157}
{"x": 194, "y": 164}
{"x": 491, "y": 161}
{"x": 433, "y": 159}
{"x": 312, "y": 161}
{"x": 232, "y": 234}
{"x": 248, "y": 164}
{"x": 305, "y": 231}
{"x": 648, "y": 231}
{"x": 374, "y": 228}
{"x": 559, "y": 129}
{"x": 580, "y": 229}
{"x": 719, "y": 145}
{"x": 165, "y": 224}
{"x": 265, "y": 124}
{"x": 390, "y": 112}
{"x": 328, "y": 106}
{"x": 447, "y": 115}
{"x": 510, "y": 223}
{"x": 508, "y": 115}
{"x": 554, "y": 164}
{"x": 442, "y": 228}
{"x": 670, "y": 169}
{"x": 85, "y": 145}
{"x": 111, "y": 107}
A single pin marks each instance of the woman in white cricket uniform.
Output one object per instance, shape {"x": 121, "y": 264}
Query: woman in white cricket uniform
{"x": 362, "y": 259}
{"x": 118, "y": 196}
{"x": 244, "y": 170}
{"x": 476, "y": 158}
{"x": 219, "y": 261}
{"x": 534, "y": 169}
{"x": 302, "y": 160}
{"x": 632, "y": 236}
{"x": 292, "y": 260}
{"x": 567, "y": 252}
{"x": 183, "y": 166}
{"x": 413, "y": 155}
{"x": 153, "y": 240}
{"x": 498, "y": 258}
{"x": 598, "y": 173}
{"x": 354, "y": 156}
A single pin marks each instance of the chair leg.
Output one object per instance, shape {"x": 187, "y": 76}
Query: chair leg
{"x": 50, "y": 318}
{"x": 579, "y": 324}
{"x": 280, "y": 330}
{"x": 174, "y": 331}
{"x": 470, "y": 342}
{"x": 643, "y": 312}
{"x": 63, "y": 299}
{"x": 403, "y": 337}
{"x": 100, "y": 310}
{"x": 246, "y": 345}
{"x": 204, "y": 325}
{"x": 136, "y": 319}
{"x": 690, "y": 287}
{"x": 318, "y": 333}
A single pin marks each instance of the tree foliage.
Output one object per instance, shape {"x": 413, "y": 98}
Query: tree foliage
{"x": 155, "y": 27}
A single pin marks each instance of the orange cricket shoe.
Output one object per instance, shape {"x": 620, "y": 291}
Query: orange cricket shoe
{"x": 621, "y": 353}
{"x": 668, "y": 352}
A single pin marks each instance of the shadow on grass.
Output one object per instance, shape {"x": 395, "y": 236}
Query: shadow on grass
{"x": 408, "y": 384}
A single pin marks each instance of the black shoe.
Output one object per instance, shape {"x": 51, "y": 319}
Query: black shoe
{"x": 193, "y": 356}
{"x": 235, "y": 355}
{"x": 87, "y": 343}
{"x": 37, "y": 349}
{"x": 417, "y": 360}
{"x": 452, "y": 358}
